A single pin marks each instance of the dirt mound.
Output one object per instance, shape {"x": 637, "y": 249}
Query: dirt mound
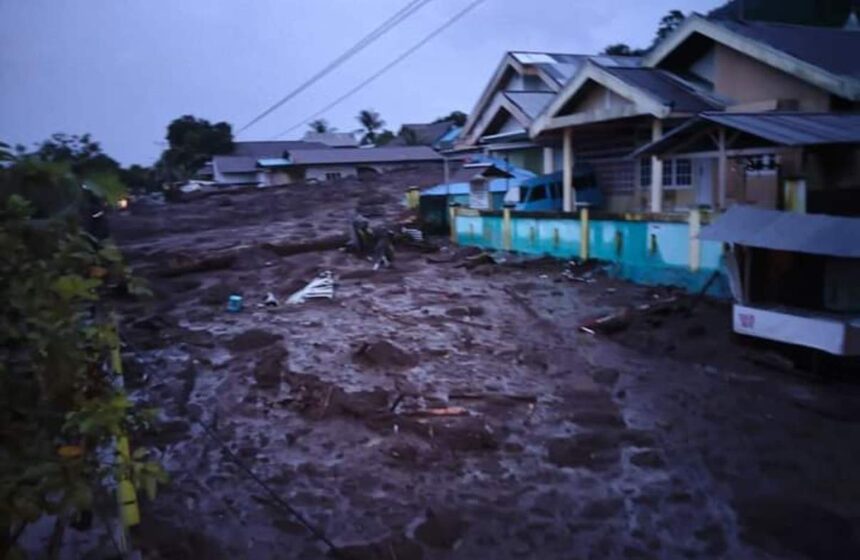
{"x": 382, "y": 353}
{"x": 252, "y": 339}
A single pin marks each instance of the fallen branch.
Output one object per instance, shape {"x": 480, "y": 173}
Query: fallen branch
{"x": 479, "y": 396}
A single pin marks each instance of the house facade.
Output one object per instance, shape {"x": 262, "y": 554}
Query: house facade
{"x": 552, "y": 112}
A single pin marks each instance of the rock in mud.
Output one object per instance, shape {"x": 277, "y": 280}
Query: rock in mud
{"x": 270, "y": 368}
{"x": 252, "y": 339}
{"x": 399, "y": 547}
{"x": 441, "y": 529}
{"x": 648, "y": 459}
{"x": 606, "y": 376}
{"x": 382, "y": 353}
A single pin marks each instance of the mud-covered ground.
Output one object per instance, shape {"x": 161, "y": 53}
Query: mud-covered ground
{"x": 444, "y": 410}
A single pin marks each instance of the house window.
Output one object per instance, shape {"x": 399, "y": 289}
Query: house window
{"x": 645, "y": 172}
{"x": 668, "y": 176}
{"x": 677, "y": 173}
{"x": 332, "y": 176}
{"x": 683, "y": 173}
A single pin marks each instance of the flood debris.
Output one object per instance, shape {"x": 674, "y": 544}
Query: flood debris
{"x": 384, "y": 354}
{"x": 320, "y": 287}
{"x": 441, "y": 529}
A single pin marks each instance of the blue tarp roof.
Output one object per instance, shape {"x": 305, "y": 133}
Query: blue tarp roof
{"x": 496, "y": 185}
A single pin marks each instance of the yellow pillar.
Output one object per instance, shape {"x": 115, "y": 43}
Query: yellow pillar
{"x": 722, "y": 168}
{"x": 412, "y": 197}
{"x": 452, "y": 219}
{"x": 567, "y": 172}
{"x": 507, "y": 232}
{"x": 695, "y": 244}
{"x": 584, "y": 238}
{"x": 656, "y": 170}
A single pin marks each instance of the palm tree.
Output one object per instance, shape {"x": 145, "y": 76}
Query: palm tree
{"x": 320, "y": 125}
{"x": 371, "y": 121}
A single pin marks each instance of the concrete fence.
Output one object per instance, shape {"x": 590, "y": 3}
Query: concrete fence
{"x": 648, "y": 249}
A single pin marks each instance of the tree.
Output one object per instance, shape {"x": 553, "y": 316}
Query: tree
{"x": 621, "y": 49}
{"x": 192, "y": 142}
{"x": 385, "y": 137}
{"x": 320, "y": 125}
{"x": 668, "y": 24}
{"x": 83, "y": 154}
{"x": 371, "y": 122}
{"x": 458, "y": 117}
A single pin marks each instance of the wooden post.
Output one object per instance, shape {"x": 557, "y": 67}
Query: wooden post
{"x": 548, "y": 160}
{"x": 507, "y": 232}
{"x": 567, "y": 172}
{"x": 695, "y": 225}
{"x": 584, "y": 238}
{"x": 453, "y": 223}
{"x": 656, "y": 170}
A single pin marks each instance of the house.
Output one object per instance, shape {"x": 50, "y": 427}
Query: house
{"x": 240, "y": 167}
{"x": 331, "y": 164}
{"x": 332, "y": 139}
{"x": 426, "y": 134}
{"x": 521, "y": 87}
{"x": 795, "y": 278}
{"x": 706, "y": 67}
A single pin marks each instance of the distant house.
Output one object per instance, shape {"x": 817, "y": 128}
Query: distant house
{"x": 240, "y": 167}
{"x": 426, "y": 134}
{"x": 332, "y": 164}
{"x": 332, "y": 139}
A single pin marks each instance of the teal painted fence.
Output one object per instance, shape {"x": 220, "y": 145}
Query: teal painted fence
{"x": 645, "y": 252}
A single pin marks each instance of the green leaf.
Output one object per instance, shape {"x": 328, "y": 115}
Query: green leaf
{"x": 73, "y": 286}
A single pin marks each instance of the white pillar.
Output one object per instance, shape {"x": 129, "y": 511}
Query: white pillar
{"x": 548, "y": 160}
{"x": 656, "y": 170}
{"x": 722, "y": 168}
{"x": 567, "y": 172}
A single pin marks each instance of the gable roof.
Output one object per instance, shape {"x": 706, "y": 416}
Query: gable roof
{"x": 530, "y": 103}
{"x": 824, "y": 57}
{"x": 423, "y": 134}
{"x": 234, "y": 164}
{"x": 553, "y": 69}
{"x": 650, "y": 91}
{"x": 261, "y": 149}
{"x": 363, "y": 155}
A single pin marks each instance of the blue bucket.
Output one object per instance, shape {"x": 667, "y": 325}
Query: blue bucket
{"x": 234, "y": 304}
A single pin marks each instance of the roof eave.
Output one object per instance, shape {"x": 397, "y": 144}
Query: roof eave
{"x": 839, "y": 85}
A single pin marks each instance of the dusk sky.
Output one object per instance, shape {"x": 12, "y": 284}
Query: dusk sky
{"x": 121, "y": 69}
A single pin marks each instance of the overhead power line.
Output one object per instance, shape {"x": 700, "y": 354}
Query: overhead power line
{"x": 401, "y": 15}
{"x": 387, "y": 67}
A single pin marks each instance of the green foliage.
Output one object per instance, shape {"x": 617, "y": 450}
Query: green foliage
{"x": 371, "y": 121}
{"x": 320, "y": 125}
{"x": 50, "y": 187}
{"x": 385, "y": 137}
{"x": 81, "y": 153}
{"x": 60, "y": 409}
{"x": 458, "y": 117}
{"x": 192, "y": 142}
{"x": 621, "y": 49}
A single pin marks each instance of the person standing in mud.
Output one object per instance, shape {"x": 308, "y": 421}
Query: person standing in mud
{"x": 360, "y": 238}
{"x": 383, "y": 250}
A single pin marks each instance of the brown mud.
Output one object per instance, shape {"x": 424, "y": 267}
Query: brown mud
{"x": 436, "y": 410}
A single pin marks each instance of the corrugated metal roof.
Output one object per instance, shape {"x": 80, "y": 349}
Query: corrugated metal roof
{"x": 263, "y": 149}
{"x": 332, "y": 139}
{"x": 833, "y": 49}
{"x": 680, "y": 95}
{"x": 496, "y": 185}
{"x": 364, "y": 155}
{"x": 234, "y": 164}
{"x": 781, "y": 128}
{"x": 816, "y": 234}
{"x": 423, "y": 134}
{"x": 530, "y": 102}
{"x": 794, "y": 129}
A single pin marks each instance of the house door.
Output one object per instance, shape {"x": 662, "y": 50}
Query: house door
{"x": 704, "y": 179}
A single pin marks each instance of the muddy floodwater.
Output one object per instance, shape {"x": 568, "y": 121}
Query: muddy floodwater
{"x": 451, "y": 408}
